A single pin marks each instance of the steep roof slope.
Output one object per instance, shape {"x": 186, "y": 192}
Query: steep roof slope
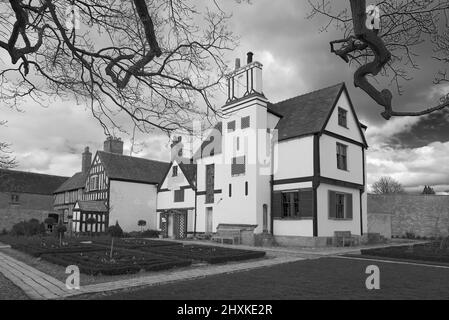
{"x": 77, "y": 181}
{"x": 305, "y": 114}
{"x": 120, "y": 167}
{"x": 28, "y": 182}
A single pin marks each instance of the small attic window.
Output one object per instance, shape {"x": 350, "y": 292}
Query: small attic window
{"x": 174, "y": 171}
{"x": 342, "y": 117}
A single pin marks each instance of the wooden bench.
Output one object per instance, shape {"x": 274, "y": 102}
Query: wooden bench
{"x": 343, "y": 237}
{"x": 232, "y": 235}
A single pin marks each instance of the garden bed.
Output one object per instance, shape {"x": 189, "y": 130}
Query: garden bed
{"x": 123, "y": 262}
{"x": 210, "y": 254}
{"x": 135, "y": 243}
{"x": 421, "y": 252}
{"x": 37, "y": 246}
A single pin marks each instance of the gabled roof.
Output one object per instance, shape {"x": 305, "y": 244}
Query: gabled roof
{"x": 305, "y": 114}
{"x": 77, "y": 181}
{"x": 189, "y": 171}
{"x": 133, "y": 169}
{"x": 28, "y": 182}
{"x": 309, "y": 113}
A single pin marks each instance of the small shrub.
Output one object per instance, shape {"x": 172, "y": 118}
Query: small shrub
{"x": 28, "y": 228}
{"x": 150, "y": 234}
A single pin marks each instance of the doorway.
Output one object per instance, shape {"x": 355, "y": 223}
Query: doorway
{"x": 209, "y": 220}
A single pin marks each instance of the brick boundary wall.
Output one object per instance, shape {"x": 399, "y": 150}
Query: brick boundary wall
{"x": 421, "y": 215}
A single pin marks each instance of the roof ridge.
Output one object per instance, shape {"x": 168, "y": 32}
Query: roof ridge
{"x": 301, "y": 95}
{"x": 34, "y": 173}
{"x": 124, "y": 155}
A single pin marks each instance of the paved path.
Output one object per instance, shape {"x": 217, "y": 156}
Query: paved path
{"x": 35, "y": 284}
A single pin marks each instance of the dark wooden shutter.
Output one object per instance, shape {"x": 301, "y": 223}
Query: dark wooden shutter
{"x": 332, "y": 205}
{"x": 306, "y": 203}
{"x": 348, "y": 206}
{"x": 277, "y": 204}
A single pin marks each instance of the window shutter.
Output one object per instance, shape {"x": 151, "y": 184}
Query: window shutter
{"x": 348, "y": 206}
{"x": 277, "y": 204}
{"x": 332, "y": 205}
{"x": 306, "y": 203}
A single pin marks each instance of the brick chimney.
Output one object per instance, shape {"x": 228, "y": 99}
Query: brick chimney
{"x": 113, "y": 145}
{"x": 86, "y": 160}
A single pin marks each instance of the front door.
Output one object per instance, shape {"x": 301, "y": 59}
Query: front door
{"x": 209, "y": 220}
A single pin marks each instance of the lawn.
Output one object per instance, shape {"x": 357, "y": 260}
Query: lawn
{"x": 325, "y": 278}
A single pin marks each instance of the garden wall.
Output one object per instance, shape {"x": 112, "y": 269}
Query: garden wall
{"x": 421, "y": 215}
{"x": 29, "y": 206}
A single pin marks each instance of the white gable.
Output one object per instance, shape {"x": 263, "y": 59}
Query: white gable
{"x": 352, "y": 131}
{"x": 174, "y": 182}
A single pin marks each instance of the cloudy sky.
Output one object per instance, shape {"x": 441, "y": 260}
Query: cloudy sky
{"x": 296, "y": 60}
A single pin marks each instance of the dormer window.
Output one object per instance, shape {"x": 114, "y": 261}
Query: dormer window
{"x": 175, "y": 171}
{"x": 342, "y": 117}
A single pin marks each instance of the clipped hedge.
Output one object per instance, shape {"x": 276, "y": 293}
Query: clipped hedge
{"x": 94, "y": 263}
{"x": 210, "y": 254}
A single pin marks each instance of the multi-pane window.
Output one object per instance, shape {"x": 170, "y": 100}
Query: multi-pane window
{"x": 231, "y": 126}
{"x": 174, "y": 171}
{"x": 94, "y": 182}
{"x": 179, "y": 195}
{"x": 245, "y": 122}
{"x": 15, "y": 198}
{"x": 340, "y": 205}
{"x": 296, "y": 204}
{"x": 238, "y": 165}
{"x": 342, "y": 159}
{"x": 342, "y": 117}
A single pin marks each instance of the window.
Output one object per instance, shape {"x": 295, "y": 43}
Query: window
{"x": 231, "y": 126}
{"x": 245, "y": 122}
{"x": 230, "y": 190}
{"x": 340, "y": 205}
{"x": 237, "y": 143}
{"x": 342, "y": 161}
{"x": 175, "y": 171}
{"x": 246, "y": 188}
{"x": 179, "y": 195}
{"x": 15, "y": 198}
{"x": 210, "y": 177}
{"x": 238, "y": 166}
{"x": 342, "y": 117}
{"x": 94, "y": 182}
{"x": 294, "y": 204}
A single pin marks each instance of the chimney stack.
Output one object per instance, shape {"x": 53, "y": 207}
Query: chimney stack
{"x": 113, "y": 145}
{"x": 249, "y": 58}
{"x": 176, "y": 149}
{"x": 86, "y": 160}
{"x": 237, "y": 63}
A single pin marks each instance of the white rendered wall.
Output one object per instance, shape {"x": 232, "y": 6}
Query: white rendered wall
{"x": 326, "y": 226}
{"x": 328, "y": 159}
{"x": 300, "y": 228}
{"x": 130, "y": 202}
{"x": 294, "y": 158}
{"x": 352, "y": 131}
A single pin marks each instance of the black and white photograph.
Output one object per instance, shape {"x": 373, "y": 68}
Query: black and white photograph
{"x": 224, "y": 155}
